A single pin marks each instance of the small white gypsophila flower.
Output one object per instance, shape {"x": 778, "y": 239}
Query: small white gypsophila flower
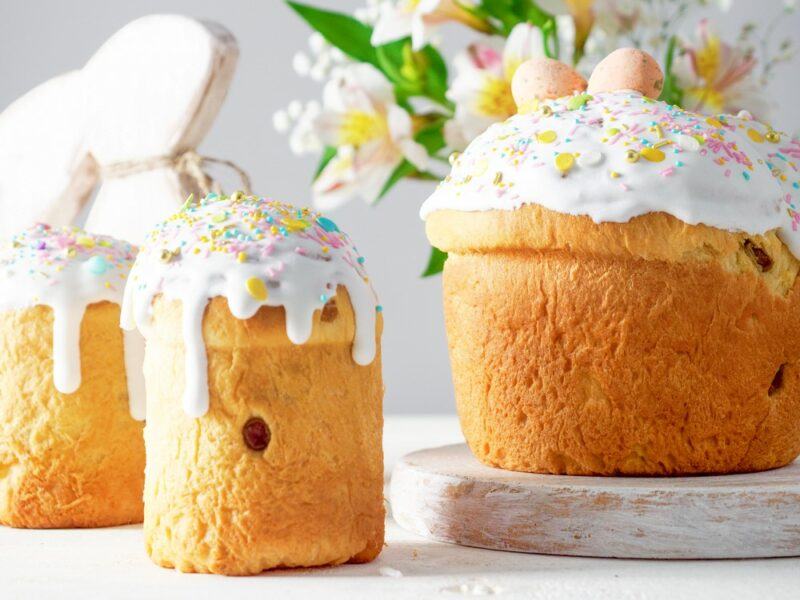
{"x": 337, "y": 71}
{"x": 317, "y": 43}
{"x": 295, "y": 109}
{"x": 281, "y": 121}
{"x": 338, "y": 56}
{"x": 319, "y": 72}
{"x": 313, "y": 107}
{"x": 370, "y": 13}
{"x": 324, "y": 60}
{"x": 304, "y": 138}
{"x": 301, "y": 64}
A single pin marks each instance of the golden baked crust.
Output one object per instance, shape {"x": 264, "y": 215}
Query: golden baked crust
{"x": 67, "y": 460}
{"x": 646, "y": 348}
{"x": 654, "y": 236}
{"x": 314, "y": 496}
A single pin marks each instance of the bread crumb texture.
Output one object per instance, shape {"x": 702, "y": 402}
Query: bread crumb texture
{"x": 646, "y": 348}
{"x": 67, "y": 460}
{"x": 314, "y": 496}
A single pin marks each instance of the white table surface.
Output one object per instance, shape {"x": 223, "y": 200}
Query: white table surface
{"x": 111, "y": 563}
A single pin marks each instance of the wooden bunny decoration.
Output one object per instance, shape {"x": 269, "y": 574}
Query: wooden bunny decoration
{"x": 130, "y": 119}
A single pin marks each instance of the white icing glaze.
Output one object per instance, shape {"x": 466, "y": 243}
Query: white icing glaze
{"x": 68, "y": 269}
{"x": 728, "y": 172}
{"x": 252, "y": 252}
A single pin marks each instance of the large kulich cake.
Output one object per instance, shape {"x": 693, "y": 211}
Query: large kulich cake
{"x": 621, "y": 290}
{"x": 71, "y": 386}
{"x": 264, "y": 390}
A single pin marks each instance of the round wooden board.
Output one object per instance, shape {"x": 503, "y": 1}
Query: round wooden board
{"x": 446, "y": 494}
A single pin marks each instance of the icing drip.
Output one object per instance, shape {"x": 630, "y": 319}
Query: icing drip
{"x": 68, "y": 269}
{"x": 134, "y": 359}
{"x": 67, "y": 346}
{"x": 615, "y": 156}
{"x": 252, "y": 252}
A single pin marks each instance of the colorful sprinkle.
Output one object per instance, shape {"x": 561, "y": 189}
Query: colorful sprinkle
{"x": 755, "y": 136}
{"x": 547, "y": 137}
{"x": 564, "y": 163}
{"x": 652, "y": 154}
{"x": 97, "y": 265}
{"x": 327, "y": 224}
{"x": 590, "y": 158}
{"x": 257, "y": 288}
{"x": 632, "y": 156}
{"x": 688, "y": 143}
{"x": 577, "y": 101}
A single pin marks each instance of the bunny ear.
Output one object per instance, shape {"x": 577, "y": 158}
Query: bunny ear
{"x": 46, "y": 173}
{"x": 156, "y": 87}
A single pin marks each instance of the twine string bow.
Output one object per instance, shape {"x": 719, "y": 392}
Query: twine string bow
{"x": 188, "y": 164}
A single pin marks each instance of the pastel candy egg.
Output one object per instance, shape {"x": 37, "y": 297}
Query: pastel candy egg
{"x": 544, "y": 79}
{"x": 627, "y": 69}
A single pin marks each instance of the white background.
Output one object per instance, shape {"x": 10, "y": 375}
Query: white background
{"x": 41, "y": 38}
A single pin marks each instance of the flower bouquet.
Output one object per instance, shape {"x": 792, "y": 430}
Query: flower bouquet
{"x": 395, "y": 107}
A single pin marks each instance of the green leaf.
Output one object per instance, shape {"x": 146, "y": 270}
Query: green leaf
{"x": 548, "y": 26}
{"x": 435, "y": 262}
{"x": 327, "y": 156}
{"x": 503, "y": 11}
{"x": 436, "y": 77}
{"x": 390, "y": 62}
{"x": 426, "y": 176}
{"x": 511, "y": 13}
{"x": 671, "y": 93}
{"x": 432, "y": 137}
{"x": 422, "y": 73}
{"x": 348, "y": 34}
{"x": 404, "y": 169}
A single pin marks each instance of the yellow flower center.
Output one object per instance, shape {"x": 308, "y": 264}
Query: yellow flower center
{"x": 359, "y": 127}
{"x": 708, "y": 59}
{"x": 409, "y": 6}
{"x": 495, "y": 99}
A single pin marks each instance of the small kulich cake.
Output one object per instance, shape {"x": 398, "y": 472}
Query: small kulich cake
{"x": 264, "y": 390}
{"x": 621, "y": 290}
{"x": 71, "y": 383}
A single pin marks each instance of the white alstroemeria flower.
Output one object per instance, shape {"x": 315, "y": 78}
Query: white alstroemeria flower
{"x": 717, "y": 77}
{"x": 481, "y": 89}
{"x": 418, "y": 18}
{"x": 371, "y": 132}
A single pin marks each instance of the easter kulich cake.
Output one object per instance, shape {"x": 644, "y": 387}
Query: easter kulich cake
{"x": 621, "y": 290}
{"x": 264, "y": 389}
{"x": 71, "y": 385}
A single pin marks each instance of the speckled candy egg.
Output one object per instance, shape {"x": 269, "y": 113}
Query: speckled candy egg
{"x": 627, "y": 69}
{"x": 544, "y": 79}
